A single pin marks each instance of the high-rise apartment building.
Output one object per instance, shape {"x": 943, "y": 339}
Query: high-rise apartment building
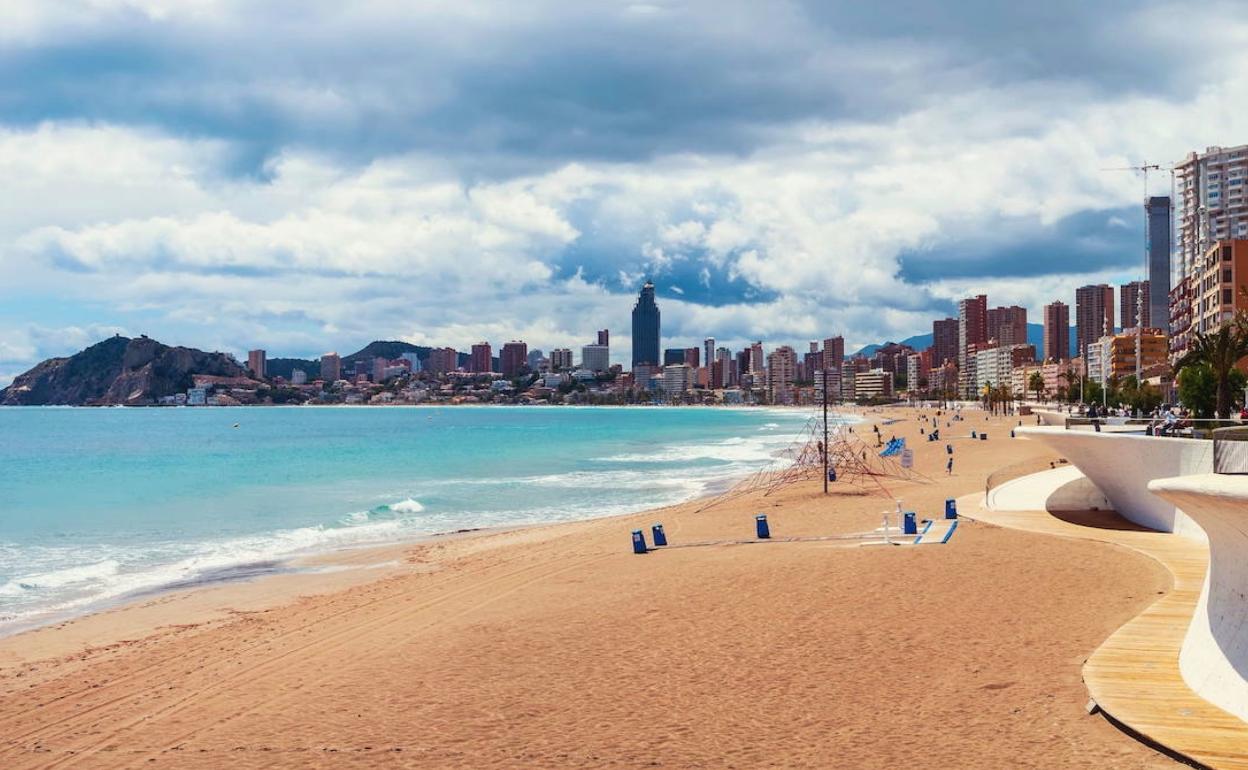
{"x": 1220, "y": 285}
{"x": 972, "y": 333}
{"x": 708, "y": 351}
{"x": 1057, "y": 331}
{"x": 442, "y": 360}
{"x": 595, "y": 358}
{"x": 560, "y": 359}
{"x": 331, "y": 367}
{"x": 604, "y": 337}
{"x": 726, "y": 368}
{"x": 1157, "y": 209}
{"x": 514, "y": 358}
{"x": 1129, "y": 295}
{"x": 1094, "y": 315}
{"x": 692, "y": 356}
{"x": 1008, "y": 325}
{"x": 781, "y": 368}
{"x": 481, "y": 359}
{"x": 834, "y": 351}
{"x": 646, "y": 327}
{"x": 1210, "y": 206}
{"x": 944, "y": 341}
{"x": 256, "y": 363}
{"x": 757, "y": 365}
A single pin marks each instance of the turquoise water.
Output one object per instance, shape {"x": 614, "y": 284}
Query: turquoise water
{"x": 100, "y": 504}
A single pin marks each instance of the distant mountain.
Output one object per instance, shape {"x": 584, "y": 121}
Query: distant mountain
{"x": 393, "y": 349}
{"x": 283, "y": 367}
{"x": 119, "y": 370}
{"x": 1035, "y": 336}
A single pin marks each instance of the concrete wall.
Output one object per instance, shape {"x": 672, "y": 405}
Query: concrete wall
{"x": 1121, "y": 465}
{"x": 1062, "y": 489}
{"x": 1048, "y": 417}
{"x": 1214, "y": 659}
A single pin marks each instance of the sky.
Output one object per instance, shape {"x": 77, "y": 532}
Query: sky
{"x": 306, "y": 176}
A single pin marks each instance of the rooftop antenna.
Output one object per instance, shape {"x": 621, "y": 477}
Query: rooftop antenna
{"x": 1143, "y": 168}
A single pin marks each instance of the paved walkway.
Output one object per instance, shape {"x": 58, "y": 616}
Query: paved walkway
{"x": 1134, "y": 676}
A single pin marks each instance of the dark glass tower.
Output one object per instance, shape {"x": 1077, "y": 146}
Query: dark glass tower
{"x": 1158, "y": 208}
{"x": 646, "y": 328}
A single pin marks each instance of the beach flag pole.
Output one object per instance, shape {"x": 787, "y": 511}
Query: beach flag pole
{"x": 825, "y": 427}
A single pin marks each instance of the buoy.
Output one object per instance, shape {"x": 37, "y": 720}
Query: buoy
{"x": 760, "y": 526}
{"x": 639, "y": 541}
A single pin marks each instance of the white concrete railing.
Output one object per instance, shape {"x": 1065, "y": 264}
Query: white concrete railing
{"x": 1121, "y": 465}
{"x": 1214, "y": 659}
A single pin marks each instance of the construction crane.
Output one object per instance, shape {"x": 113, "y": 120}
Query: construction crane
{"x": 1143, "y": 168}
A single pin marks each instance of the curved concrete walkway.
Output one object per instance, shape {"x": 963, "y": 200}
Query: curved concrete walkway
{"x": 1134, "y": 675}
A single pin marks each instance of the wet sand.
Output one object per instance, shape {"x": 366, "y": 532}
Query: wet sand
{"x": 555, "y": 646}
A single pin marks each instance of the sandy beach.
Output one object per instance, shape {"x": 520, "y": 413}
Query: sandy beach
{"x": 555, "y": 646}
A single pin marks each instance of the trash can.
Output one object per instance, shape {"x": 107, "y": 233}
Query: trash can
{"x": 639, "y": 541}
{"x": 908, "y": 525}
{"x": 761, "y": 528}
{"x": 658, "y": 535}
{"x": 951, "y": 508}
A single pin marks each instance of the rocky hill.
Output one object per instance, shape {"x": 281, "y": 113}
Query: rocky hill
{"x": 119, "y": 370}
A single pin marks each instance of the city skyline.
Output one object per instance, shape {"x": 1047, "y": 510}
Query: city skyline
{"x": 258, "y": 184}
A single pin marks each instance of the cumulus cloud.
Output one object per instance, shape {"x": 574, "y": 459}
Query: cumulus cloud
{"x": 304, "y": 176}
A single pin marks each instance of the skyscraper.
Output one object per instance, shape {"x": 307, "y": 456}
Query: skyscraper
{"x": 1008, "y": 325}
{"x": 781, "y": 366}
{"x": 944, "y": 341}
{"x": 256, "y": 363}
{"x": 1158, "y": 211}
{"x": 513, "y": 358}
{"x": 708, "y": 352}
{"x": 331, "y": 367}
{"x": 1128, "y": 295}
{"x": 646, "y": 327}
{"x": 482, "y": 358}
{"x": 972, "y": 332}
{"x": 604, "y": 337}
{"x": 1057, "y": 331}
{"x": 1094, "y": 315}
{"x": 834, "y": 351}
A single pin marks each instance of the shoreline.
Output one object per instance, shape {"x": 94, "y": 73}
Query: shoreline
{"x": 309, "y": 562}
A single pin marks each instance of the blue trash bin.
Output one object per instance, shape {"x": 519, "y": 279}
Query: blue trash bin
{"x": 831, "y": 474}
{"x": 983, "y": 437}
{"x": 760, "y": 526}
{"x": 639, "y": 541}
{"x": 974, "y": 434}
{"x": 908, "y": 524}
{"x": 659, "y": 536}
{"x": 951, "y": 508}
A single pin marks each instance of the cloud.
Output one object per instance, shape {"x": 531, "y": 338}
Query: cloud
{"x": 301, "y": 176}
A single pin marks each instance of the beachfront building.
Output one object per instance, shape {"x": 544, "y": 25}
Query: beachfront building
{"x": 513, "y": 358}
{"x": 1130, "y": 295}
{"x": 1056, "y": 331}
{"x": 995, "y": 365}
{"x": 917, "y": 367}
{"x": 1116, "y": 355}
{"x": 781, "y": 370}
{"x": 1094, "y": 315}
{"x": 481, "y": 359}
{"x": 676, "y": 379}
{"x": 560, "y": 359}
{"x": 972, "y": 333}
{"x": 256, "y": 363}
{"x": 298, "y": 377}
{"x": 442, "y": 360}
{"x": 833, "y": 382}
{"x": 331, "y": 367}
{"x": 1008, "y": 325}
{"x": 595, "y": 358}
{"x": 646, "y": 328}
{"x": 874, "y": 383}
{"x": 944, "y": 341}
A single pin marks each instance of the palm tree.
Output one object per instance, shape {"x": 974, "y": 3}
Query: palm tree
{"x": 1221, "y": 349}
{"x": 1036, "y": 383}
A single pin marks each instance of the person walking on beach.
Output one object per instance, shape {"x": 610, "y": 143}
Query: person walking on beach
{"x": 949, "y": 466}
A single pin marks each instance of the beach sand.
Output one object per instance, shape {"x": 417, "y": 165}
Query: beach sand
{"x": 555, "y": 646}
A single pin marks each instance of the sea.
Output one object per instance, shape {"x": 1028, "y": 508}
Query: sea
{"x": 101, "y": 505}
